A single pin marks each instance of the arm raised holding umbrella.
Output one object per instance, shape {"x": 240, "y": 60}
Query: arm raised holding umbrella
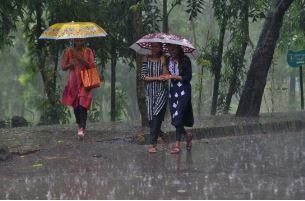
{"x": 76, "y": 60}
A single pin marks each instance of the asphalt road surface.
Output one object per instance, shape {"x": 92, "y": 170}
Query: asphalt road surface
{"x": 250, "y": 167}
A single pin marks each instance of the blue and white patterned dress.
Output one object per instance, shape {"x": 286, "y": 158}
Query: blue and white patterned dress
{"x": 181, "y": 93}
{"x": 156, "y": 92}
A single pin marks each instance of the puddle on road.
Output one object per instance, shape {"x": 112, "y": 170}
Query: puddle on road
{"x": 250, "y": 167}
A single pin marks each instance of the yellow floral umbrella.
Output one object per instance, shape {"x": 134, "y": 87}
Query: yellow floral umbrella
{"x": 71, "y": 30}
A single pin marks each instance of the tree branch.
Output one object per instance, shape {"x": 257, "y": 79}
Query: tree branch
{"x": 178, "y": 2}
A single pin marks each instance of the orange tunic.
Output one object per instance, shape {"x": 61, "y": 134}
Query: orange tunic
{"x": 74, "y": 93}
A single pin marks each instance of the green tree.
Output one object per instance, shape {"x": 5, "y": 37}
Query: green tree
{"x": 293, "y": 37}
{"x": 235, "y": 55}
{"x": 10, "y": 11}
{"x": 250, "y": 102}
{"x": 223, "y": 11}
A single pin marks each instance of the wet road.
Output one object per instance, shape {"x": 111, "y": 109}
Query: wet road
{"x": 250, "y": 167}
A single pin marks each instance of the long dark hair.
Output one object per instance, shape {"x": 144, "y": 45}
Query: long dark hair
{"x": 180, "y": 53}
{"x": 182, "y": 58}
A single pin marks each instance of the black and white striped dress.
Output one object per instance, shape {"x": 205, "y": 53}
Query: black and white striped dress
{"x": 156, "y": 91}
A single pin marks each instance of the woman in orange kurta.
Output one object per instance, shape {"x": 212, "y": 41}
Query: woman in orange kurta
{"x": 75, "y": 94}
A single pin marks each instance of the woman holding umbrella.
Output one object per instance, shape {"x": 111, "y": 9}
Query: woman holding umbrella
{"x": 74, "y": 60}
{"x": 75, "y": 94}
{"x": 180, "y": 74}
{"x": 180, "y": 69}
{"x": 153, "y": 67}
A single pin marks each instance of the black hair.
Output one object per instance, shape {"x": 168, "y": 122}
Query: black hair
{"x": 183, "y": 60}
{"x": 180, "y": 53}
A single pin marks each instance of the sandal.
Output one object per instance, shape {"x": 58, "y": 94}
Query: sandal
{"x": 152, "y": 149}
{"x": 189, "y": 137}
{"x": 80, "y": 134}
{"x": 176, "y": 149}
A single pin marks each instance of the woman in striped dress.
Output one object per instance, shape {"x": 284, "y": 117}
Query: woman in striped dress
{"x": 156, "y": 94}
{"x": 180, "y": 69}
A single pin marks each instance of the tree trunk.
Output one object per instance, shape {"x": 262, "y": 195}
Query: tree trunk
{"x": 201, "y": 70}
{"x": 165, "y": 17}
{"x": 194, "y": 31}
{"x": 48, "y": 115}
{"x": 137, "y": 25}
{"x": 301, "y": 87}
{"x": 250, "y": 102}
{"x": 39, "y": 47}
{"x": 1, "y": 110}
{"x": 292, "y": 90}
{"x": 200, "y": 91}
{"x": 113, "y": 71}
{"x": 141, "y": 93}
{"x": 217, "y": 65}
{"x": 56, "y": 52}
{"x": 239, "y": 55}
{"x": 52, "y": 82}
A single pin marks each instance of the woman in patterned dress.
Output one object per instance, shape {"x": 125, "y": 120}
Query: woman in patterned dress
{"x": 156, "y": 93}
{"x": 180, "y": 69}
{"x": 75, "y": 94}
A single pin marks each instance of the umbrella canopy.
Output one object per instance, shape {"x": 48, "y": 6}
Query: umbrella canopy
{"x": 143, "y": 45}
{"x": 71, "y": 30}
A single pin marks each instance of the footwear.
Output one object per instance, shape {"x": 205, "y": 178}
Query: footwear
{"x": 80, "y": 134}
{"x": 189, "y": 137}
{"x": 176, "y": 149}
{"x": 152, "y": 149}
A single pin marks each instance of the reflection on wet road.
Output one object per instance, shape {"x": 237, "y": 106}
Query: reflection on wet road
{"x": 251, "y": 167}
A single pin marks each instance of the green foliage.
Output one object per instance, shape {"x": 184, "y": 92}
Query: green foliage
{"x": 202, "y": 61}
{"x": 52, "y": 110}
{"x": 259, "y": 9}
{"x": 222, "y": 9}
{"x": 234, "y": 17}
{"x": 10, "y": 10}
{"x": 232, "y": 58}
{"x": 13, "y": 62}
{"x": 207, "y": 55}
{"x": 151, "y": 16}
{"x": 96, "y": 111}
{"x": 121, "y": 112}
{"x": 293, "y": 29}
{"x": 194, "y": 7}
{"x": 27, "y": 68}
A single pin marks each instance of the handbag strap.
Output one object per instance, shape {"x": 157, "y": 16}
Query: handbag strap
{"x": 85, "y": 51}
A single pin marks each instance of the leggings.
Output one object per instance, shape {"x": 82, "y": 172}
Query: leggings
{"x": 155, "y": 125}
{"x": 179, "y": 132}
{"x": 81, "y": 116}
